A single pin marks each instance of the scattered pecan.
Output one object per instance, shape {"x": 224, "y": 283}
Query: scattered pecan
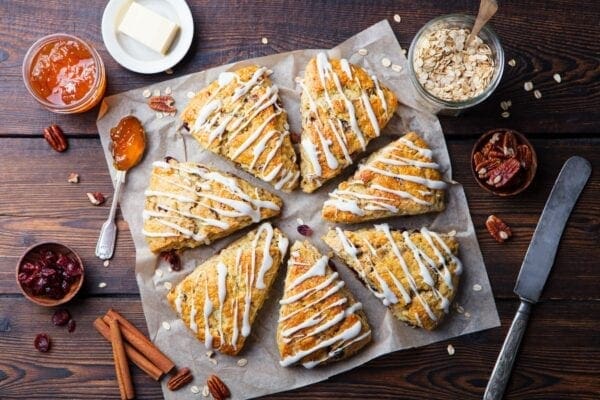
{"x": 217, "y": 388}
{"x": 73, "y": 178}
{"x": 56, "y": 138}
{"x": 96, "y": 198}
{"x": 162, "y": 103}
{"x": 498, "y": 228}
{"x": 525, "y": 156}
{"x": 180, "y": 379}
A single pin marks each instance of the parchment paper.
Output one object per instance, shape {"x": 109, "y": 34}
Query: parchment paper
{"x": 263, "y": 375}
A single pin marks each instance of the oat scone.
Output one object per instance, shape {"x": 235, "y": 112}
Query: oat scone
{"x": 414, "y": 273}
{"x": 319, "y": 320}
{"x": 343, "y": 109}
{"x": 220, "y": 299}
{"x": 399, "y": 179}
{"x": 239, "y": 116}
{"x": 190, "y": 204}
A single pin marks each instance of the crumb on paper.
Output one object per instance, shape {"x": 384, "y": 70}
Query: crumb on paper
{"x": 191, "y": 95}
{"x": 168, "y": 285}
{"x": 159, "y": 273}
{"x": 156, "y": 92}
{"x": 166, "y": 325}
{"x": 168, "y": 90}
{"x": 386, "y": 62}
{"x": 299, "y": 221}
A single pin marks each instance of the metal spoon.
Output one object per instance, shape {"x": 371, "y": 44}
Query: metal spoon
{"x": 487, "y": 9}
{"x": 108, "y": 234}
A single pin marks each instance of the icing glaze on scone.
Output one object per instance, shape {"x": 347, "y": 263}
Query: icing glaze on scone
{"x": 319, "y": 320}
{"x": 399, "y": 179}
{"x": 416, "y": 274}
{"x": 220, "y": 299}
{"x": 189, "y": 204}
{"x": 343, "y": 109}
{"x": 239, "y": 116}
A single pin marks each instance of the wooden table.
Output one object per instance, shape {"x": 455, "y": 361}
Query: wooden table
{"x": 560, "y": 355}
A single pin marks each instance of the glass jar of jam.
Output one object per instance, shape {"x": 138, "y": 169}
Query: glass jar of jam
{"x": 64, "y": 74}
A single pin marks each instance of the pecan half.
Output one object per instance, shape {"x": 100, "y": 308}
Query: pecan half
{"x": 162, "y": 103}
{"x": 180, "y": 379}
{"x": 56, "y": 138}
{"x": 525, "y": 156}
{"x": 503, "y": 175}
{"x": 96, "y": 198}
{"x": 498, "y": 228}
{"x": 217, "y": 388}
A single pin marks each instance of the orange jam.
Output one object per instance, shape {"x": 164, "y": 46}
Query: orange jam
{"x": 63, "y": 71}
{"x": 128, "y": 143}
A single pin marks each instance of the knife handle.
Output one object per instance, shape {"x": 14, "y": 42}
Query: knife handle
{"x": 501, "y": 373}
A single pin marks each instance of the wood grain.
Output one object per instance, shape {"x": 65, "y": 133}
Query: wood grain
{"x": 559, "y": 359}
{"x": 554, "y": 40}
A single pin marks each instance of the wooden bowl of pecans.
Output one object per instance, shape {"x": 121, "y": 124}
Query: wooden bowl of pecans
{"x": 503, "y": 162}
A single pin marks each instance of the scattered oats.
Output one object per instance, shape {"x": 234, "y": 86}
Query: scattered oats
{"x": 166, "y": 325}
{"x": 210, "y": 353}
{"x": 509, "y": 103}
{"x": 168, "y": 285}
{"x": 264, "y": 40}
{"x": 159, "y": 115}
{"x": 205, "y": 391}
{"x": 159, "y": 273}
{"x": 147, "y": 93}
{"x": 537, "y": 94}
{"x": 557, "y": 78}
{"x": 156, "y": 92}
{"x": 168, "y": 90}
{"x": 386, "y": 62}
{"x": 452, "y": 233}
{"x": 512, "y": 62}
{"x": 73, "y": 178}
{"x": 298, "y": 79}
{"x": 190, "y": 95}
{"x": 450, "y": 349}
{"x": 363, "y": 52}
{"x": 528, "y": 86}
{"x": 195, "y": 389}
{"x": 242, "y": 362}
{"x": 505, "y": 114}
{"x": 106, "y": 263}
{"x": 172, "y": 114}
{"x": 477, "y": 287}
{"x": 169, "y": 72}
{"x": 396, "y": 68}
{"x": 504, "y": 105}
{"x": 467, "y": 315}
{"x": 269, "y": 72}
{"x": 213, "y": 360}
{"x": 460, "y": 309}
{"x": 102, "y": 285}
{"x": 397, "y": 18}
{"x": 299, "y": 221}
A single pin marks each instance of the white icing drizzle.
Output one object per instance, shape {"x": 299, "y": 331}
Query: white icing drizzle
{"x": 370, "y": 113}
{"x": 307, "y": 292}
{"x": 222, "y": 291}
{"x": 318, "y": 269}
{"x": 311, "y": 153}
{"x": 402, "y": 194}
{"x": 252, "y": 138}
{"x": 179, "y": 300}
{"x": 193, "y": 324}
{"x": 204, "y": 112}
{"x": 380, "y": 93}
{"x": 267, "y": 260}
{"x": 238, "y": 272}
{"x": 346, "y": 244}
{"x": 208, "y": 307}
{"x": 332, "y": 353}
{"x": 332, "y": 162}
{"x": 422, "y": 151}
{"x": 430, "y": 183}
{"x": 341, "y": 139}
{"x": 346, "y": 67}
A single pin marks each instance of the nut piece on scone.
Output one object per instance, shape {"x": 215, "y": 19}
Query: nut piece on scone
{"x": 399, "y": 179}
{"x": 319, "y": 320}
{"x": 190, "y": 204}
{"x": 414, "y": 273}
{"x": 240, "y": 117}
{"x": 343, "y": 109}
{"x": 220, "y": 299}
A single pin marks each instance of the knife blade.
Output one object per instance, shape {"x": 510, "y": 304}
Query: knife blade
{"x": 537, "y": 264}
{"x": 544, "y": 244}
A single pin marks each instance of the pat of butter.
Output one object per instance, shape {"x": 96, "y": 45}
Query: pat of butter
{"x": 148, "y": 28}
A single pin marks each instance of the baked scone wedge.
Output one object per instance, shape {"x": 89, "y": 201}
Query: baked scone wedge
{"x": 399, "y": 179}
{"x": 319, "y": 320}
{"x": 239, "y": 116}
{"x": 414, "y": 273}
{"x": 190, "y": 204}
{"x": 343, "y": 109}
{"x": 220, "y": 299}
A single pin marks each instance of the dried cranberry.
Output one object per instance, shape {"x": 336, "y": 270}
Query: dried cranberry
{"x": 61, "y": 317}
{"x": 305, "y": 230}
{"x": 169, "y": 158}
{"x": 42, "y": 342}
{"x": 71, "y": 325}
{"x": 295, "y": 137}
{"x": 172, "y": 258}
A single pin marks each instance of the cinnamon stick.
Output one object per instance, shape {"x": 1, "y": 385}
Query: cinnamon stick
{"x": 121, "y": 365}
{"x": 140, "y": 342}
{"x": 134, "y": 356}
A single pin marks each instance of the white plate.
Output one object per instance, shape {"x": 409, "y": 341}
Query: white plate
{"x": 135, "y": 56}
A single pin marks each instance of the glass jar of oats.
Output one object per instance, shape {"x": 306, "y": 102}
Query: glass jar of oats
{"x": 449, "y": 74}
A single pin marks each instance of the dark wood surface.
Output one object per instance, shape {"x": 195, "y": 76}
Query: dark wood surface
{"x": 560, "y": 356}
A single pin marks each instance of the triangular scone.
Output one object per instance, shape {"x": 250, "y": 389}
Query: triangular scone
{"x": 414, "y": 273}
{"x": 219, "y": 300}
{"x": 319, "y": 320}
{"x": 239, "y": 116}
{"x": 190, "y": 204}
{"x": 399, "y": 179}
{"x": 343, "y": 109}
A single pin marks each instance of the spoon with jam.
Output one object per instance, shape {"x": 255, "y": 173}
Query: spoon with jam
{"x": 128, "y": 141}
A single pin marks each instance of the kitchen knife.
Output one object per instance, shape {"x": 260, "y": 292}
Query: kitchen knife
{"x": 538, "y": 263}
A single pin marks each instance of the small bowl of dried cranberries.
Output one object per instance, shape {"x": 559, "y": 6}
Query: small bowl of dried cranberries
{"x": 49, "y": 274}
{"x": 503, "y": 162}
